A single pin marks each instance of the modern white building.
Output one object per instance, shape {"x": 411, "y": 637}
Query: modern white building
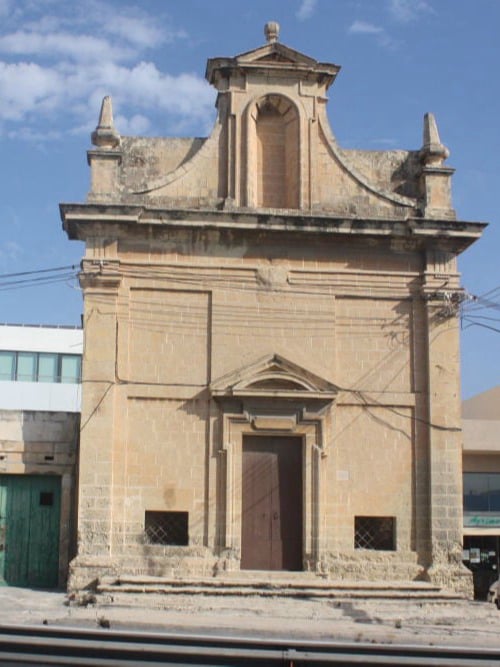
{"x": 481, "y": 482}
{"x": 40, "y": 369}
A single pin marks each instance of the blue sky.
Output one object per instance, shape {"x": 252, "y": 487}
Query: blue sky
{"x": 399, "y": 58}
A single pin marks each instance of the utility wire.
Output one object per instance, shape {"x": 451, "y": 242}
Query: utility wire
{"x": 31, "y": 273}
{"x": 35, "y": 282}
{"x": 483, "y": 317}
{"x": 479, "y": 324}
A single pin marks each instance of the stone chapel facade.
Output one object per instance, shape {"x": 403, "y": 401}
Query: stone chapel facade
{"x": 271, "y": 362}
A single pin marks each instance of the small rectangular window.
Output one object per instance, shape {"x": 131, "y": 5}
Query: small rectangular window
{"x": 374, "y": 532}
{"x": 26, "y": 366}
{"x": 47, "y": 367}
{"x": 166, "y": 528}
{"x": 70, "y": 368}
{"x": 7, "y": 365}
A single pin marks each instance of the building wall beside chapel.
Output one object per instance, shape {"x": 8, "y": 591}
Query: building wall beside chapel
{"x": 40, "y": 422}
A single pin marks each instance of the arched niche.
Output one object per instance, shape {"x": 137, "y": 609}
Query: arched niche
{"x": 273, "y": 153}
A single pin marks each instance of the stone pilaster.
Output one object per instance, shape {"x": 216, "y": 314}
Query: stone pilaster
{"x": 95, "y": 510}
{"x": 445, "y": 445}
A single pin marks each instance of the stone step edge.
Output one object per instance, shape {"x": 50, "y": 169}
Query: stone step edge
{"x": 279, "y": 592}
{"x": 220, "y": 583}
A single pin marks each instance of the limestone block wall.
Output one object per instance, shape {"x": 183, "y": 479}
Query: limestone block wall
{"x": 371, "y": 473}
{"x": 32, "y": 441}
{"x": 271, "y": 148}
{"x": 181, "y": 312}
{"x": 163, "y": 465}
{"x": 374, "y": 344}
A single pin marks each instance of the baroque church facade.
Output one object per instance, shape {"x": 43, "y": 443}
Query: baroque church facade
{"x": 271, "y": 362}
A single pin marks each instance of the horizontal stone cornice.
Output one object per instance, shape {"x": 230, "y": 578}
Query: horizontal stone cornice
{"x": 83, "y": 220}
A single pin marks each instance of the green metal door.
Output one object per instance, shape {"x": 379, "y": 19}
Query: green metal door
{"x": 31, "y": 534}
{"x": 3, "y": 514}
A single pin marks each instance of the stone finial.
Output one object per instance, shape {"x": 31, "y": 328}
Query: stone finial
{"x": 435, "y": 178}
{"x": 105, "y": 135}
{"x": 272, "y": 31}
{"x": 433, "y": 152}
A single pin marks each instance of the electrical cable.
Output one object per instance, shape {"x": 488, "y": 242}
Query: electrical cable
{"x": 35, "y": 282}
{"x": 38, "y": 271}
{"x": 479, "y": 324}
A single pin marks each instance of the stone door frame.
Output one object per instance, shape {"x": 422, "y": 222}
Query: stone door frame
{"x": 273, "y": 396}
{"x": 311, "y": 428}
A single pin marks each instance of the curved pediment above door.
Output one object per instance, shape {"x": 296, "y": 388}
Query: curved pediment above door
{"x": 273, "y": 376}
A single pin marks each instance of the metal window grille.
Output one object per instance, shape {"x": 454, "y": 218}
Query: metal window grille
{"x": 374, "y": 532}
{"x": 166, "y": 528}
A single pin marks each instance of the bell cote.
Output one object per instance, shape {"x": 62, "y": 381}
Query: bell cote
{"x": 268, "y": 103}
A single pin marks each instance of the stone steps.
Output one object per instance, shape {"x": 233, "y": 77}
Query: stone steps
{"x": 302, "y": 586}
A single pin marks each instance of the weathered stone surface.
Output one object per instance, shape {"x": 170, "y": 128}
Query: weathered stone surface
{"x": 267, "y": 241}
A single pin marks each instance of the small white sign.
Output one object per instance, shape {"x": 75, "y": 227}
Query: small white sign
{"x": 475, "y": 555}
{"x": 342, "y": 475}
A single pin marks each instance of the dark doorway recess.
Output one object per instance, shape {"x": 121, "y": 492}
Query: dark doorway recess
{"x": 483, "y": 558}
{"x": 272, "y": 503}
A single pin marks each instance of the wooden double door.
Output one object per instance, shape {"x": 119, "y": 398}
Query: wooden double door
{"x": 272, "y": 500}
{"x": 29, "y": 530}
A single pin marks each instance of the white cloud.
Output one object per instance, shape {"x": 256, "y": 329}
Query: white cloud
{"x": 144, "y": 86}
{"x": 75, "y": 92}
{"x": 83, "y": 48}
{"x": 57, "y": 69}
{"x": 142, "y": 33}
{"x": 27, "y": 87}
{"x": 131, "y": 24}
{"x": 372, "y": 30}
{"x": 306, "y": 9}
{"x": 136, "y": 125}
{"x": 364, "y": 28}
{"x": 401, "y": 11}
{"x": 404, "y": 11}
{"x": 34, "y": 136}
{"x": 97, "y": 17}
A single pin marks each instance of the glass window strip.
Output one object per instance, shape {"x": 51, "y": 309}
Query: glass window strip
{"x": 53, "y": 367}
{"x": 481, "y": 492}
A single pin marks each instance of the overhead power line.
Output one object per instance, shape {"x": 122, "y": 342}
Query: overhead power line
{"x": 32, "y": 273}
{"x": 37, "y": 277}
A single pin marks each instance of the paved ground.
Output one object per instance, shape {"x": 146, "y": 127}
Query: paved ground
{"x": 458, "y": 623}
